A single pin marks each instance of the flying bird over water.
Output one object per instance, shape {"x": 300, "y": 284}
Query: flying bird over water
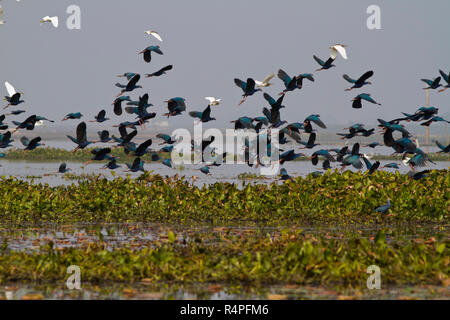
{"x": 248, "y": 88}
{"x": 118, "y": 104}
{"x": 100, "y": 117}
{"x": 213, "y": 101}
{"x": 81, "y": 139}
{"x": 14, "y": 97}
{"x": 28, "y": 124}
{"x": 104, "y": 136}
{"x": 432, "y": 84}
{"x": 160, "y": 72}
{"x": 265, "y": 82}
{"x": 444, "y": 149}
{"x": 72, "y": 116}
{"x": 137, "y": 165}
{"x": 338, "y": 49}
{"x": 31, "y": 144}
{"x": 446, "y": 77}
{"x": 130, "y": 86}
{"x": 176, "y": 106}
{"x": 63, "y": 168}
{"x": 325, "y": 65}
{"x": 289, "y": 83}
{"x": 154, "y": 33}
{"x": 361, "y": 81}
{"x": 363, "y": 96}
{"x": 204, "y": 116}
{"x": 147, "y": 52}
{"x": 52, "y": 20}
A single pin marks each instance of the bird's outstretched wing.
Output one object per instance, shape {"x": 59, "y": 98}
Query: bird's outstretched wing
{"x": 268, "y": 78}
{"x": 210, "y": 99}
{"x": 436, "y": 81}
{"x": 10, "y": 89}
{"x": 24, "y": 140}
{"x": 101, "y": 114}
{"x": 147, "y": 56}
{"x": 312, "y": 138}
{"x": 54, "y": 21}
{"x": 269, "y": 99}
{"x": 81, "y": 132}
{"x": 284, "y": 77}
{"x": 130, "y": 136}
{"x": 445, "y": 76}
{"x": 35, "y": 140}
{"x": 427, "y": 81}
{"x": 143, "y": 146}
{"x": 355, "y": 149}
{"x": 206, "y": 113}
{"x": 241, "y": 84}
{"x": 334, "y": 50}
{"x": 318, "y": 60}
{"x": 365, "y": 76}
{"x": 133, "y": 81}
{"x": 329, "y": 61}
{"x": 163, "y": 136}
{"x": 346, "y": 77}
{"x": 250, "y": 86}
{"x": 155, "y": 34}
{"x": 196, "y": 114}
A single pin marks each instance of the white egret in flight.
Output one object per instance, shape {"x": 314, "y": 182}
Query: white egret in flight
{"x": 338, "y": 49}
{"x": 155, "y": 34}
{"x": 265, "y": 82}
{"x": 53, "y": 20}
{"x": 213, "y": 101}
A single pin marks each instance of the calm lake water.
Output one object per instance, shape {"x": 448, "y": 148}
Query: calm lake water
{"x": 46, "y": 172}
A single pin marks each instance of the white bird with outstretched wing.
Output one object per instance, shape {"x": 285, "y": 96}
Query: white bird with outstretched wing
{"x": 155, "y": 34}
{"x": 10, "y": 89}
{"x": 54, "y": 20}
{"x": 213, "y": 101}
{"x": 338, "y": 49}
{"x": 266, "y": 81}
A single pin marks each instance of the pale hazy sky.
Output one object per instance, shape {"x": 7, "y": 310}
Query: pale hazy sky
{"x": 210, "y": 42}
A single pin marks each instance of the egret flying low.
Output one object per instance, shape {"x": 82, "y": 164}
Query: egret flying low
{"x": 52, "y": 20}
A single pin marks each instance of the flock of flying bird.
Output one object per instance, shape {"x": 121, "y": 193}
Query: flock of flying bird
{"x": 270, "y": 119}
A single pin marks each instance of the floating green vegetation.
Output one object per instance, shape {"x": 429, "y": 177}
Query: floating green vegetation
{"x": 56, "y": 154}
{"x": 251, "y": 176}
{"x": 333, "y": 197}
{"x": 289, "y": 258}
